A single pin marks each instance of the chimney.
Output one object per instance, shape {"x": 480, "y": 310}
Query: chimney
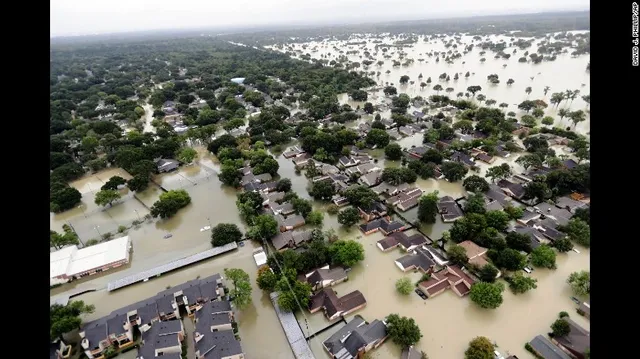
{"x": 198, "y": 337}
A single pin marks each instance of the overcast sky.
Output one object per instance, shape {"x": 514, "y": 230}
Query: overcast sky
{"x": 80, "y": 17}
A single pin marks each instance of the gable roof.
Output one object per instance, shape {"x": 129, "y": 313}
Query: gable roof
{"x": 332, "y": 304}
{"x": 347, "y": 342}
{"x": 421, "y": 258}
{"x": 578, "y": 340}
{"x": 547, "y": 349}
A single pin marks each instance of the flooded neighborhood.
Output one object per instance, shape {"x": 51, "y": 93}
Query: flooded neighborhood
{"x": 299, "y": 180}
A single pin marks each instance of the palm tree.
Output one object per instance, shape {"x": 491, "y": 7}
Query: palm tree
{"x": 437, "y": 88}
{"x": 546, "y": 89}
{"x": 577, "y": 117}
{"x": 574, "y": 95}
{"x": 563, "y": 112}
{"x": 449, "y": 89}
{"x": 481, "y": 97}
{"x": 528, "y": 90}
{"x": 503, "y": 105}
{"x": 587, "y": 99}
{"x": 490, "y": 102}
{"x": 423, "y": 85}
{"x": 460, "y": 94}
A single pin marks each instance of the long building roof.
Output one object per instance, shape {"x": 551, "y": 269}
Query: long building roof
{"x": 71, "y": 260}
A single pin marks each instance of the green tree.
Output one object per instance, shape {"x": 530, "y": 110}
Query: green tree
{"x": 187, "y": 155}
{"x": 497, "y": 219}
{"x": 301, "y": 206}
{"x": 393, "y": 151}
{"x": 499, "y": 172}
{"x": 563, "y": 245}
{"x": 578, "y": 231}
{"x": 475, "y": 203}
{"x": 113, "y": 183}
{"x": 170, "y": 203}
{"x": 518, "y": 241}
{"x": 404, "y": 286}
{"x": 480, "y": 348}
{"x": 68, "y": 237}
{"x": 475, "y": 183}
{"x": 548, "y": 120}
{"x": 580, "y": 282}
{"x": 402, "y": 330}
{"x": 63, "y": 319}
{"x": 519, "y": 284}
{"x": 322, "y": 190}
{"x": 241, "y": 291}
{"x": 267, "y": 280}
{"x": 514, "y": 212}
{"x": 509, "y": 259}
{"x": 264, "y": 227}
{"x": 107, "y": 197}
{"x": 64, "y": 198}
{"x": 346, "y": 253}
{"x": 293, "y": 294}
{"x": 315, "y": 218}
{"x": 225, "y": 233}
{"x": 488, "y": 273}
{"x": 348, "y": 217}
{"x": 377, "y": 137}
{"x": 560, "y": 328}
{"x": 487, "y": 295}
{"x": 458, "y": 255}
{"x": 139, "y": 182}
{"x": 453, "y": 171}
{"x": 428, "y": 207}
{"x": 543, "y": 256}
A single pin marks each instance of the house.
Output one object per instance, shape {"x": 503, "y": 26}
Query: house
{"x": 371, "y": 179}
{"x": 417, "y": 152}
{"x": 576, "y": 343}
{"x": 532, "y": 173}
{"x": 162, "y": 340}
{"x": 419, "y": 259}
{"x": 94, "y": 338}
{"x": 363, "y": 169}
{"x": 449, "y": 209}
{"x": 301, "y": 160}
{"x": 167, "y": 308}
{"x": 450, "y": 277}
{"x": 411, "y": 353}
{"x": 385, "y": 225}
{"x": 391, "y": 190}
{"x": 293, "y": 152}
{"x": 402, "y": 197}
{"x": 211, "y": 288}
{"x": 496, "y": 198}
{"x": 393, "y": 134}
{"x": 340, "y": 201}
{"x": 569, "y": 164}
{"x": 585, "y": 309}
{"x": 188, "y": 296}
{"x": 356, "y": 338}
{"x": 570, "y": 204}
{"x": 482, "y": 156}
{"x": 374, "y": 211}
{"x": 536, "y": 237}
{"x": 560, "y": 216}
{"x": 355, "y": 151}
{"x": 166, "y": 165}
{"x": 324, "y": 277}
{"x": 408, "y": 204}
{"x": 273, "y": 197}
{"x": 406, "y": 131}
{"x": 284, "y": 209}
{"x": 119, "y": 329}
{"x": 290, "y": 239}
{"x": 347, "y": 161}
{"x": 417, "y": 116}
{"x": 463, "y": 158}
{"x": 250, "y": 177}
{"x": 334, "y": 306}
{"x": 214, "y": 316}
{"x": 407, "y": 243}
{"x": 475, "y": 253}
{"x": 290, "y": 222}
{"x": 218, "y": 344}
{"x": 546, "y": 349}
{"x": 513, "y": 189}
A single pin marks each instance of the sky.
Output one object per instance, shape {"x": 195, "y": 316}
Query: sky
{"x": 84, "y": 17}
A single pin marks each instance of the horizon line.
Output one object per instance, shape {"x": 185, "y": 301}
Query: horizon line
{"x": 293, "y": 25}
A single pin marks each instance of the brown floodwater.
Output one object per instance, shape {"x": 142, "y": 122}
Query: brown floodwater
{"x": 447, "y": 322}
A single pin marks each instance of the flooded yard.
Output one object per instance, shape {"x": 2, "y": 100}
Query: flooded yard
{"x": 447, "y": 321}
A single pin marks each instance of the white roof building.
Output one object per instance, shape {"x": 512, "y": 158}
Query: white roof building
{"x": 71, "y": 262}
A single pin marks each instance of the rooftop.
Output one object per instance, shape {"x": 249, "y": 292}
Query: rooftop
{"x": 71, "y": 260}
